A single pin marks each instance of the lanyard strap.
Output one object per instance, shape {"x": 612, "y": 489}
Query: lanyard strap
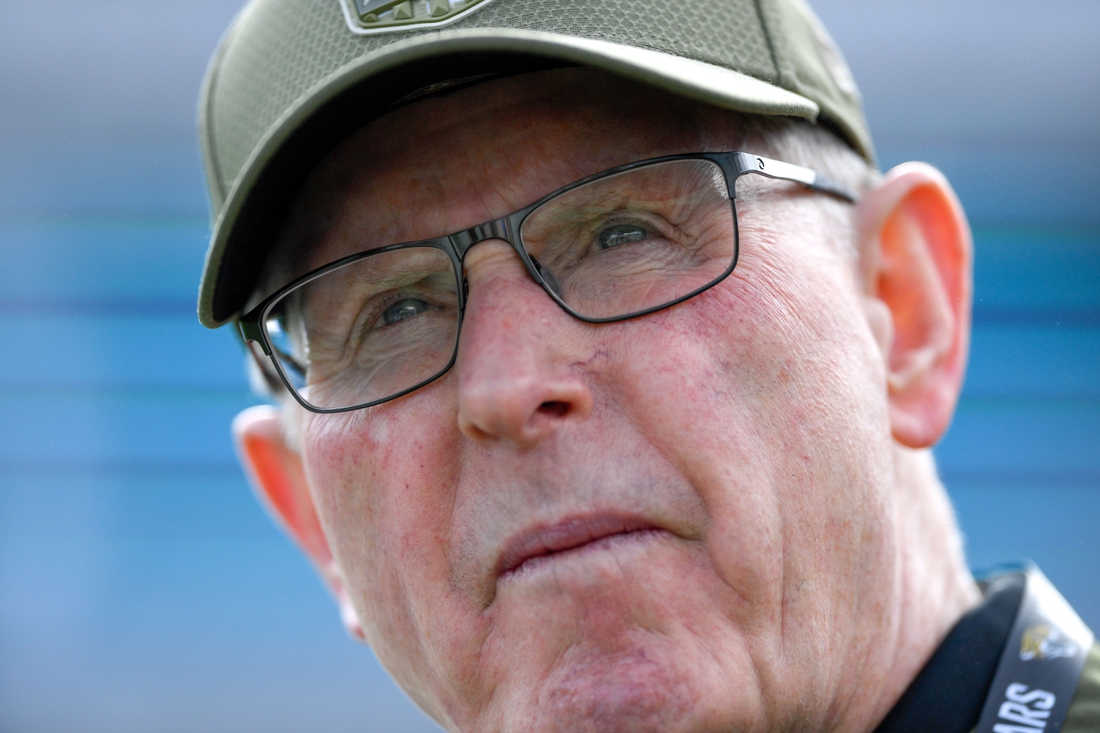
{"x": 1040, "y": 665}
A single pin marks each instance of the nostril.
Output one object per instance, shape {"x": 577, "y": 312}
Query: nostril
{"x": 554, "y": 409}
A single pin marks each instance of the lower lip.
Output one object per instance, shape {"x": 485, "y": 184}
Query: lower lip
{"x": 617, "y": 541}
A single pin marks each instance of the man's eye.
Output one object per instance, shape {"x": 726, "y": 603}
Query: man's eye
{"x": 404, "y": 308}
{"x": 621, "y": 234}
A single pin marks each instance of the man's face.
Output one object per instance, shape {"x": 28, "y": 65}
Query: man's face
{"x": 677, "y": 522}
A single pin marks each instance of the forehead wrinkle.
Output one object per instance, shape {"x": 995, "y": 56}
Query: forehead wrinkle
{"x": 486, "y": 151}
{"x": 540, "y": 147}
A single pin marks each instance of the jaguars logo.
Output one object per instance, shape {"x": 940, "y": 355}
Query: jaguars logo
{"x": 1044, "y": 641}
{"x": 387, "y": 16}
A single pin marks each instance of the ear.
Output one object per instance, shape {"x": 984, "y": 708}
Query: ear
{"x": 277, "y": 478}
{"x": 917, "y": 258}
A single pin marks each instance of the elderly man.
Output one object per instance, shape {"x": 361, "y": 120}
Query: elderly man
{"x": 608, "y": 368}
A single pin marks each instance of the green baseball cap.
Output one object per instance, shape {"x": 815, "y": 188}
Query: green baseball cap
{"x": 292, "y": 78}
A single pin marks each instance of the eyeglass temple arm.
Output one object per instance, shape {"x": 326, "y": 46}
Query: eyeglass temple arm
{"x": 250, "y": 331}
{"x": 777, "y": 169}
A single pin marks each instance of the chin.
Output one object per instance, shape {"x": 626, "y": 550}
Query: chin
{"x": 653, "y": 685}
{"x": 625, "y": 691}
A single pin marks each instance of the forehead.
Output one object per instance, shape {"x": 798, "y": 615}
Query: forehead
{"x": 451, "y": 162}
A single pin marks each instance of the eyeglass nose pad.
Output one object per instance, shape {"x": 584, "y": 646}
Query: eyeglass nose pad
{"x": 548, "y": 277}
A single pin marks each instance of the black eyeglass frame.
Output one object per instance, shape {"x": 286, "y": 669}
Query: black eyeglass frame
{"x": 733, "y": 165}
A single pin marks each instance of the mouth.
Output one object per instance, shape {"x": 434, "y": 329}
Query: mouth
{"x": 542, "y": 545}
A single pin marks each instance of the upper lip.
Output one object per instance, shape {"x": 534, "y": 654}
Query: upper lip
{"x": 545, "y": 539}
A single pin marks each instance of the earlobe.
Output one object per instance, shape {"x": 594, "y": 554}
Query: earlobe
{"x": 917, "y": 253}
{"x": 279, "y": 482}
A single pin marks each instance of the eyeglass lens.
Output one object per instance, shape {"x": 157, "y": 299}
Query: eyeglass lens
{"x": 627, "y": 242}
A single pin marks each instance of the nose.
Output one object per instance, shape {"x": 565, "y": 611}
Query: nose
{"x": 519, "y": 369}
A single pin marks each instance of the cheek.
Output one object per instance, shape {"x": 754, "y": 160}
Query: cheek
{"x": 382, "y": 507}
{"x": 808, "y": 367}
{"x": 813, "y": 381}
{"x": 768, "y": 395}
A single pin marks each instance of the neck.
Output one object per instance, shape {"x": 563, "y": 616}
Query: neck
{"x": 936, "y": 587}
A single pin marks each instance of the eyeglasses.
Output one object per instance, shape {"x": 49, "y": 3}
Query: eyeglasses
{"x": 623, "y": 243}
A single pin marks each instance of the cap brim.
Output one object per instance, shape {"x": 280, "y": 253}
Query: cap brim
{"x": 362, "y": 90}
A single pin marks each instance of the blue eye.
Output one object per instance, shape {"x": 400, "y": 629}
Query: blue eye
{"x": 402, "y": 309}
{"x": 621, "y": 234}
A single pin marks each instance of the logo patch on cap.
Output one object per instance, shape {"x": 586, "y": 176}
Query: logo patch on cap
{"x": 387, "y": 16}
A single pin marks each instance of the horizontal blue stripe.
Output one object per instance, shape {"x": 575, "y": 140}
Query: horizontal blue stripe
{"x": 1042, "y": 181}
{"x": 57, "y": 430}
{"x": 68, "y": 178}
{"x": 138, "y": 351}
{"x": 1000, "y": 436}
{"x": 115, "y": 261}
{"x": 1018, "y": 182}
{"x": 65, "y": 307}
{"x": 154, "y": 506}
{"x": 107, "y": 432}
{"x": 1036, "y": 268}
{"x": 1031, "y": 361}
{"x": 1054, "y": 525}
{"x": 172, "y": 352}
{"x": 101, "y": 259}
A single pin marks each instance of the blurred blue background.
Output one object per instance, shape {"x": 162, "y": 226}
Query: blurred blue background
{"x": 142, "y": 589}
